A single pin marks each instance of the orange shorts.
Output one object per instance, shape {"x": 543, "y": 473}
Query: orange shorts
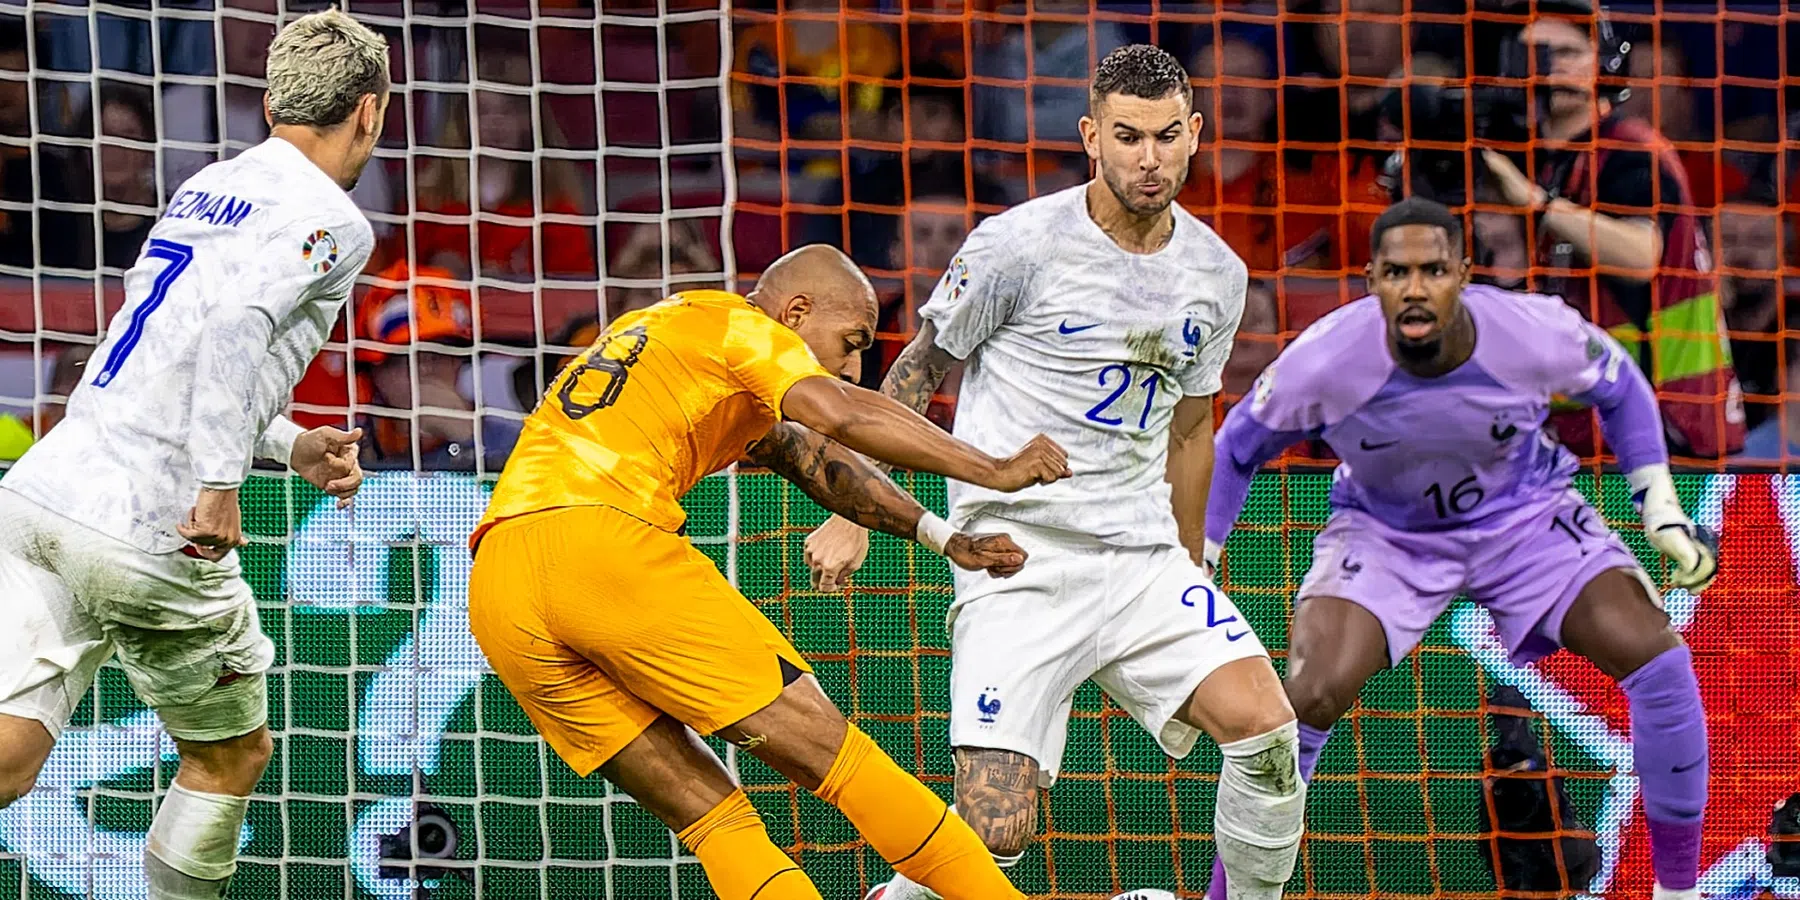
{"x": 599, "y": 623}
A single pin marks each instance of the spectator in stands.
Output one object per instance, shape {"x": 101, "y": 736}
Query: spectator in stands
{"x": 1278, "y": 210}
{"x": 1233, "y": 180}
{"x": 1004, "y": 108}
{"x": 1750, "y": 291}
{"x": 15, "y": 159}
{"x": 936, "y": 224}
{"x": 935, "y": 114}
{"x": 1500, "y": 252}
{"x": 1258, "y": 341}
{"x": 438, "y": 417}
{"x": 510, "y": 234}
{"x": 807, "y": 37}
{"x": 1777, "y": 438}
{"x": 1656, "y": 292}
{"x": 127, "y": 175}
{"x": 1363, "y": 47}
{"x": 532, "y": 375}
{"x": 638, "y": 257}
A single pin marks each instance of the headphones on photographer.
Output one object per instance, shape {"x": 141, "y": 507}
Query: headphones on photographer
{"x": 1612, "y": 50}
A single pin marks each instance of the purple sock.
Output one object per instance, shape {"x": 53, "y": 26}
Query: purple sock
{"x": 1668, "y": 742}
{"x": 1312, "y": 743}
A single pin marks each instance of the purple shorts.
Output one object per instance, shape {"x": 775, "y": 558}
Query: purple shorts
{"x": 1525, "y": 567}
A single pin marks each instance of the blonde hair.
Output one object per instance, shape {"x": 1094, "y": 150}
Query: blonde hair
{"x": 321, "y": 65}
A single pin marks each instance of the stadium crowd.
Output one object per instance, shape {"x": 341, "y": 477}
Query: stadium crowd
{"x": 887, "y": 132}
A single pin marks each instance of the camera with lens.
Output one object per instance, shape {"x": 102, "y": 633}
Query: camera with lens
{"x": 1451, "y": 114}
{"x": 436, "y": 836}
{"x": 1480, "y": 112}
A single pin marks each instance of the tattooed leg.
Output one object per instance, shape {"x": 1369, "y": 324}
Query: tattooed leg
{"x": 997, "y": 794}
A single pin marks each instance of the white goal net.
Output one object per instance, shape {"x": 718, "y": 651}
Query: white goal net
{"x": 546, "y": 166}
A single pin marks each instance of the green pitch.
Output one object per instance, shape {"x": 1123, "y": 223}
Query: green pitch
{"x": 1123, "y": 816}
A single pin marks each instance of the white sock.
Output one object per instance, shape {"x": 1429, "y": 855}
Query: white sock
{"x": 1261, "y": 813}
{"x": 195, "y": 834}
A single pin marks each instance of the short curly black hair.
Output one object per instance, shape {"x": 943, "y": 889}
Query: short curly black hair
{"x": 1139, "y": 70}
{"x": 1416, "y": 210}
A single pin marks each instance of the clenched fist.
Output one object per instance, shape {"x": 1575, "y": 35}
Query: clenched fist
{"x": 1040, "y": 461}
{"x": 995, "y": 553}
{"x": 327, "y": 458}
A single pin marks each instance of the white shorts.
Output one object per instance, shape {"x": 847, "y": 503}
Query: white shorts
{"x": 1145, "y": 624}
{"x": 71, "y": 597}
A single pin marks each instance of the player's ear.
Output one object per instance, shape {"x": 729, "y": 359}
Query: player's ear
{"x": 1468, "y": 269}
{"x": 368, "y": 114}
{"x": 798, "y": 308}
{"x": 1195, "y": 123}
{"x": 1090, "y": 136}
{"x": 267, "y": 118}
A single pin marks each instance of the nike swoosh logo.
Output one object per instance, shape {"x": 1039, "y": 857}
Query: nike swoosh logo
{"x": 1065, "y": 329}
{"x": 1500, "y": 435}
{"x": 1368, "y": 446}
{"x": 1236, "y": 637}
{"x": 1689, "y": 767}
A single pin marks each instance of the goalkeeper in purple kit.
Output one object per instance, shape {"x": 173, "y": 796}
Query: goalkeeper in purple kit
{"x": 1433, "y": 393}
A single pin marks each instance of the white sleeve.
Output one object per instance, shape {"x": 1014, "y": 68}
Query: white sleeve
{"x": 979, "y": 291}
{"x": 277, "y": 441}
{"x": 1206, "y": 376}
{"x": 297, "y": 259}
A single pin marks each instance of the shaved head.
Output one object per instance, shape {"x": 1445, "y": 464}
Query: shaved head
{"x": 821, "y": 294}
{"x": 819, "y": 271}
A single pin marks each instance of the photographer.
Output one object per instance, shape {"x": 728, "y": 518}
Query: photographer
{"x": 1610, "y": 196}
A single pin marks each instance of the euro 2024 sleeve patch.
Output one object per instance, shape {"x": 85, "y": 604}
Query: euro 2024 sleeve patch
{"x": 956, "y": 279}
{"x": 319, "y": 251}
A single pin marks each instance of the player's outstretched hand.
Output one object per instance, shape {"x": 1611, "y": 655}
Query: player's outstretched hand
{"x": 214, "y": 526}
{"x": 327, "y": 458}
{"x": 834, "y": 551}
{"x": 1693, "y": 549}
{"x": 1040, "y": 461}
{"x": 994, "y": 552}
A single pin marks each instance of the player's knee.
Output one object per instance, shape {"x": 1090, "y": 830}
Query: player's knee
{"x": 1317, "y": 702}
{"x": 15, "y": 784}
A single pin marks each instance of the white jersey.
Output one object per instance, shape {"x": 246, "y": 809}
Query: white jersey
{"x": 1067, "y": 334}
{"x": 232, "y": 296}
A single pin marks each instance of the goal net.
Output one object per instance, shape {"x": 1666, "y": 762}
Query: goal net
{"x": 550, "y": 164}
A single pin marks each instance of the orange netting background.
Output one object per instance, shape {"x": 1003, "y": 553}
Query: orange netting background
{"x": 941, "y": 113}
{"x": 890, "y": 129}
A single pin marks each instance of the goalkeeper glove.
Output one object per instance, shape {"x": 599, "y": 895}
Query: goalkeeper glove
{"x": 1692, "y": 548}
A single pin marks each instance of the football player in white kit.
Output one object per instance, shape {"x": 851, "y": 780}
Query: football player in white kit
{"x": 1101, "y": 316}
{"x": 118, "y": 529}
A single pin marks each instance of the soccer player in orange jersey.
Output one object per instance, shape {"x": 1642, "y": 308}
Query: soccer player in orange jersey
{"x": 618, "y": 637}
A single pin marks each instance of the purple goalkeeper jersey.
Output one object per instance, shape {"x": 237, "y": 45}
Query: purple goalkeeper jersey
{"x": 1433, "y": 454}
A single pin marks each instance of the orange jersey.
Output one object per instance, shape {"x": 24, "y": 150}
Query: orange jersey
{"x": 665, "y": 397}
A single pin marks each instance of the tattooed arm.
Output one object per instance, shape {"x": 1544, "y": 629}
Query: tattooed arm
{"x": 836, "y": 549}
{"x": 916, "y": 373}
{"x": 842, "y": 481}
{"x": 838, "y": 479}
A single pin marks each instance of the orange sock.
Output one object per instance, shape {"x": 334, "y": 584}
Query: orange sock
{"x": 909, "y": 826}
{"x": 740, "y": 860}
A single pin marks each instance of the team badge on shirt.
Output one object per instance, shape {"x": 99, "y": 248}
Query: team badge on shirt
{"x": 320, "y": 251}
{"x": 956, "y": 278}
